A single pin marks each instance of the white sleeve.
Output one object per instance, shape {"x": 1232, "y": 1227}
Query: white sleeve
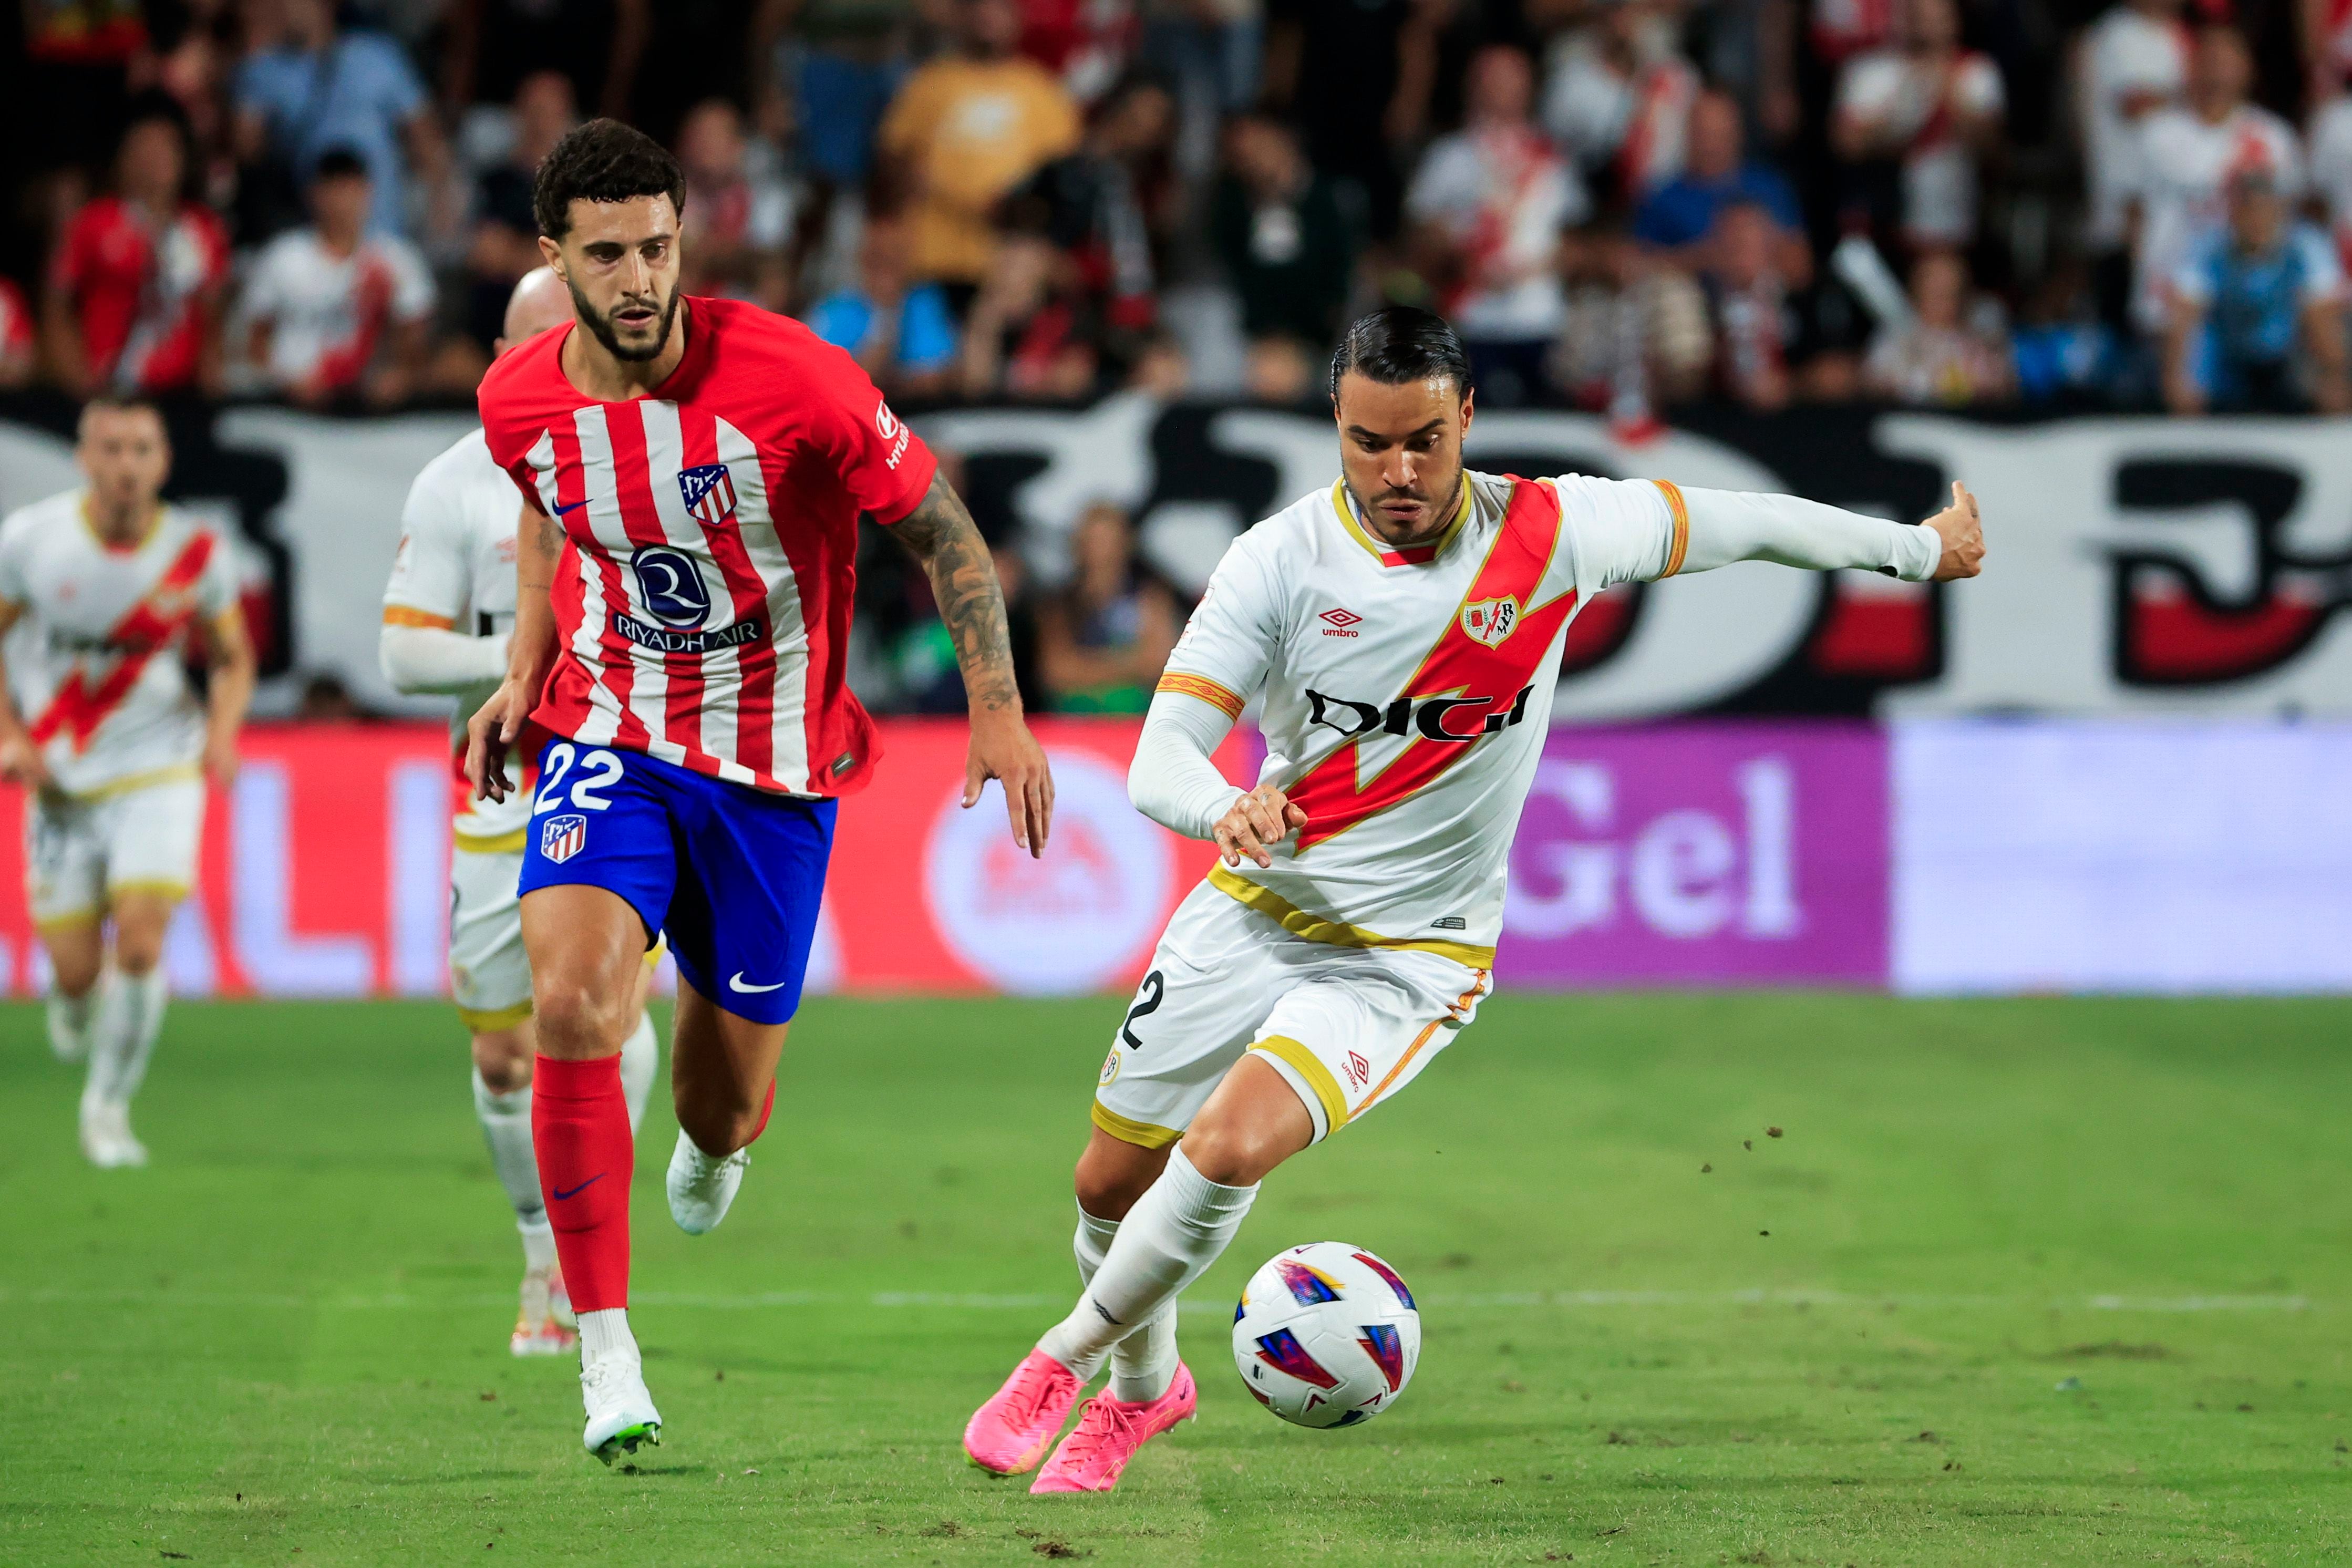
{"x": 430, "y": 572}
{"x": 418, "y": 659}
{"x": 216, "y": 590}
{"x": 1624, "y": 535}
{"x": 13, "y": 589}
{"x": 1229, "y": 642}
{"x": 264, "y": 296}
{"x": 1173, "y": 780}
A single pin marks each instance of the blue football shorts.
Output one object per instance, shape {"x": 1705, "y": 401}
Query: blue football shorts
{"x": 732, "y": 875}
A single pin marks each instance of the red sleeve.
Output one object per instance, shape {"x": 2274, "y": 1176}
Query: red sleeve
{"x": 215, "y": 235}
{"x": 16, "y": 319}
{"x": 494, "y": 398}
{"x": 883, "y": 464}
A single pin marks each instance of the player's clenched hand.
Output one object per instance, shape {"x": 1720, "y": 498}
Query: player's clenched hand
{"x": 220, "y": 761}
{"x": 1260, "y": 819}
{"x": 1963, "y": 535}
{"x": 488, "y": 733}
{"x": 1003, "y": 749}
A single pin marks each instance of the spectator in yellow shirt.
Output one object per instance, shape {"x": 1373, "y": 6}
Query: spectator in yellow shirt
{"x": 963, "y": 131}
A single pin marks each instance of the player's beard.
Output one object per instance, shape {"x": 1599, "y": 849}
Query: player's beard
{"x": 602, "y": 325}
{"x": 1440, "y": 513}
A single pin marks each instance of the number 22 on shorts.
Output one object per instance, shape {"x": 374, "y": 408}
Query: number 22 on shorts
{"x": 599, "y": 770}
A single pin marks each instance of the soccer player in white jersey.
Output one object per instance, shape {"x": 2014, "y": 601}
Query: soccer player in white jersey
{"x": 1400, "y": 631}
{"x": 108, "y": 590}
{"x": 449, "y": 613}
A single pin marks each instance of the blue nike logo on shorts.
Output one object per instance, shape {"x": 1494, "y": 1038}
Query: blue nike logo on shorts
{"x": 559, "y": 1195}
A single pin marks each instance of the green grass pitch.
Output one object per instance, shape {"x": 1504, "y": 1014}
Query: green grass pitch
{"x": 2022, "y": 1282}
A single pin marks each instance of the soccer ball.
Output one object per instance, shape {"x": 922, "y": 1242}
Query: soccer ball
{"x": 1325, "y": 1335}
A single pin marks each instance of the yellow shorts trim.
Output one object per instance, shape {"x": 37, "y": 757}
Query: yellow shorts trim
{"x": 1318, "y": 1077}
{"x": 491, "y": 1022}
{"x": 180, "y": 773}
{"x": 160, "y": 886}
{"x": 491, "y": 843}
{"x": 1127, "y": 1130}
{"x": 407, "y": 615}
{"x": 1338, "y": 933}
{"x": 72, "y": 919}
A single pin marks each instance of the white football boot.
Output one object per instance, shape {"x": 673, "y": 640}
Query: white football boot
{"x": 700, "y": 1187}
{"x": 69, "y": 1040}
{"x": 538, "y": 1331}
{"x": 621, "y": 1413}
{"x": 106, "y": 1139}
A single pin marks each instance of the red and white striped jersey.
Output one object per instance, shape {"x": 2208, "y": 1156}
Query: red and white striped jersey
{"x": 95, "y": 663}
{"x": 702, "y": 602}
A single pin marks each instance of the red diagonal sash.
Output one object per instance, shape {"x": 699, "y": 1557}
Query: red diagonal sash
{"x": 149, "y": 626}
{"x": 1490, "y": 681}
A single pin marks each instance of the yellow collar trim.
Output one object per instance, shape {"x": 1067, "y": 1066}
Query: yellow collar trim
{"x": 1395, "y": 555}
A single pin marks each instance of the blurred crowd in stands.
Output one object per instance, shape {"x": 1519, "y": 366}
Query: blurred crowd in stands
{"x": 1625, "y": 205}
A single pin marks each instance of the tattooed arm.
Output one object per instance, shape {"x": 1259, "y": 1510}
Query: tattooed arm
{"x": 941, "y": 535}
{"x": 531, "y": 652}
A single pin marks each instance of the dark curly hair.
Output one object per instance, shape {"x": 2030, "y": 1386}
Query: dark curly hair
{"x": 602, "y": 161}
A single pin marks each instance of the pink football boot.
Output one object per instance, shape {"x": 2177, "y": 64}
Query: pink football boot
{"x": 1011, "y": 1432}
{"x": 1109, "y": 1433}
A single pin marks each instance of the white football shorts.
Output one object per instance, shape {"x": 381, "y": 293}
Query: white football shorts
{"x": 490, "y": 973}
{"x": 82, "y": 852}
{"x": 1348, "y": 1027}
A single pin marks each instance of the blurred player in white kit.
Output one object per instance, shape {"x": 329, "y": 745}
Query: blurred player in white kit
{"x": 108, "y": 593}
{"x": 447, "y": 613}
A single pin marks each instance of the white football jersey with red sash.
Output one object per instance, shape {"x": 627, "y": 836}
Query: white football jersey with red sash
{"x": 95, "y": 666}
{"x": 1406, "y": 692}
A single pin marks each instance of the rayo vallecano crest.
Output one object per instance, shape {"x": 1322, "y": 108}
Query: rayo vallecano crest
{"x": 1489, "y": 621}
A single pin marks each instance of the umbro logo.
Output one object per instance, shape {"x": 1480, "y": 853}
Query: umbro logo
{"x": 1341, "y": 623}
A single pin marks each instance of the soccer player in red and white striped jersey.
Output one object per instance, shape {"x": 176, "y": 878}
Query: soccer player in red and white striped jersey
{"x": 693, "y": 472}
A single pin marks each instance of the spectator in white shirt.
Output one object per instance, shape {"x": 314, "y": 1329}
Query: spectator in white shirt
{"x": 2331, "y": 165}
{"x": 1619, "y": 95}
{"x": 333, "y": 310}
{"x": 1930, "y": 105}
{"x": 1488, "y": 205}
{"x": 2134, "y": 61}
{"x": 2189, "y": 154}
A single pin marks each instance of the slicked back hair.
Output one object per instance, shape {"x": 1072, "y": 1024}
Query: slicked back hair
{"x": 602, "y": 161}
{"x": 1401, "y": 343}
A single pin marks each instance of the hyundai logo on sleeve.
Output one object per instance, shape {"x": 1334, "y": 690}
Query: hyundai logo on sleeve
{"x": 670, "y": 585}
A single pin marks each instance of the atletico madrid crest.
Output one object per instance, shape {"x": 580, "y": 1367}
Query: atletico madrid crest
{"x": 709, "y": 491}
{"x": 562, "y": 837}
{"x": 1489, "y": 621}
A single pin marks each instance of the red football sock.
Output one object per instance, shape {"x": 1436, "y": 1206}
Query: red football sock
{"x": 767, "y": 1109}
{"x": 580, "y": 1126}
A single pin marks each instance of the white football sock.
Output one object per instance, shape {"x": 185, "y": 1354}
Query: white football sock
{"x": 129, "y": 1017}
{"x": 505, "y": 1132}
{"x": 1173, "y": 1233}
{"x": 69, "y": 1021}
{"x": 606, "y": 1333}
{"x": 1143, "y": 1365}
{"x": 640, "y": 1059}
{"x": 538, "y": 1244}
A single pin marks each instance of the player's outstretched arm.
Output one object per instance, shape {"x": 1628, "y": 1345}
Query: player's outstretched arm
{"x": 531, "y": 653}
{"x": 1725, "y": 526}
{"x": 942, "y": 536}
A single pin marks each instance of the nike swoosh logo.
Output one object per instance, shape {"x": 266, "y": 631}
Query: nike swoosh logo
{"x": 560, "y": 1194}
{"x": 575, "y": 506}
{"x": 736, "y": 984}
